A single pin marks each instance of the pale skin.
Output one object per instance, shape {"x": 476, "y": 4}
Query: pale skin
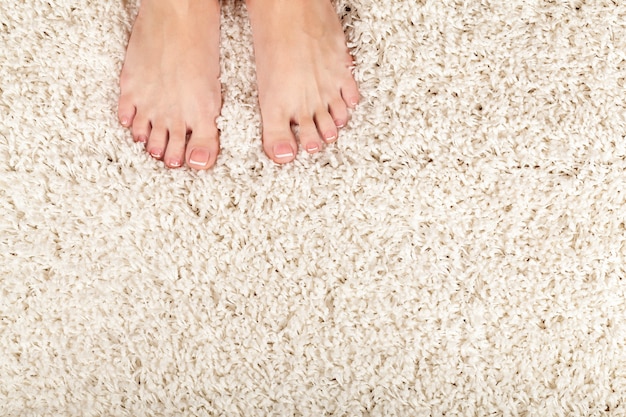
{"x": 171, "y": 95}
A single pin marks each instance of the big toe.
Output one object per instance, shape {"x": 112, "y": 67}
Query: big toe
{"x": 279, "y": 144}
{"x": 202, "y": 149}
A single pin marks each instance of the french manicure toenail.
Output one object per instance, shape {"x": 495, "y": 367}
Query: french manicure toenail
{"x": 283, "y": 150}
{"x": 199, "y": 157}
{"x": 124, "y": 121}
{"x": 156, "y": 154}
{"x": 331, "y": 139}
{"x": 175, "y": 164}
{"x": 339, "y": 124}
{"x": 312, "y": 147}
{"x": 142, "y": 139}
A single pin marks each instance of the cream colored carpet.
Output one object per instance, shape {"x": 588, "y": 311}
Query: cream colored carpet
{"x": 460, "y": 251}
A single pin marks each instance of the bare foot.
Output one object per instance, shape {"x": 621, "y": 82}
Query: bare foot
{"x": 170, "y": 89}
{"x": 303, "y": 73}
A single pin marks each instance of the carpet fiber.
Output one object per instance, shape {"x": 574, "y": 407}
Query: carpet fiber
{"x": 460, "y": 250}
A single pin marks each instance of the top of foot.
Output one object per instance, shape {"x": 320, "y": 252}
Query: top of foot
{"x": 170, "y": 91}
{"x": 304, "y": 74}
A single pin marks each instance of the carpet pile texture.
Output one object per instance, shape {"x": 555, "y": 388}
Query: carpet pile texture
{"x": 460, "y": 251}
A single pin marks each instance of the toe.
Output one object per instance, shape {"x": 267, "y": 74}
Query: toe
{"x": 326, "y": 126}
{"x": 175, "y": 151}
{"x": 157, "y": 142}
{"x": 203, "y": 148}
{"x": 350, "y": 93}
{"x": 309, "y": 137}
{"x": 339, "y": 112}
{"x": 141, "y": 129}
{"x": 126, "y": 111}
{"x": 279, "y": 143}
{"x": 279, "y": 146}
{"x": 282, "y": 150}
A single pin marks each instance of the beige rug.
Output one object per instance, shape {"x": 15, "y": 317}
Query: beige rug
{"x": 460, "y": 251}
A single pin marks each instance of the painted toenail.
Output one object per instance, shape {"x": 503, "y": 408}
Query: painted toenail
{"x": 283, "y": 150}
{"x": 199, "y": 157}
{"x": 124, "y": 121}
{"x": 175, "y": 164}
{"x": 312, "y": 147}
{"x": 156, "y": 153}
{"x": 331, "y": 139}
{"x": 339, "y": 124}
{"x": 142, "y": 139}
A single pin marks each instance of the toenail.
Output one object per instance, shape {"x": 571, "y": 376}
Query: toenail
{"x": 331, "y": 139}
{"x": 175, "y": 163}
{"x": 283, "y": 150}
{"x": 312, "y": 147}
{"x": 124, "y": 121}
{"x": 199, "y": 157}
{"x": 339, "y": 124}
{"x": 156, "y": 153}
{"x": 142, "y": 139}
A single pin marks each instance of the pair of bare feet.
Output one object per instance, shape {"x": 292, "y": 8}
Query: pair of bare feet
{"x": 171, "y": 94}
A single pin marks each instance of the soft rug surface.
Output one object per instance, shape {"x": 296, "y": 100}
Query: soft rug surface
{"x": 460, "y": 250}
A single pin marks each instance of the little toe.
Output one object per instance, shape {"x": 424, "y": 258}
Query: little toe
{"x": 339, "y": 112}
{"x": 175, "y": 151}
{"x": 350, "y": 93}
{"x": 126, "y": 111}
{"x": 326, "y": 126}
{"x": 141, "y": 129}
{"x": 203, "y": 148}
{"x": 157, "y": 142}
{"x": 309, "y": 137}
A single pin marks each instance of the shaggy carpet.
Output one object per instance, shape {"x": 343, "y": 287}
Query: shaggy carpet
{"x": 460, "y": 250}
